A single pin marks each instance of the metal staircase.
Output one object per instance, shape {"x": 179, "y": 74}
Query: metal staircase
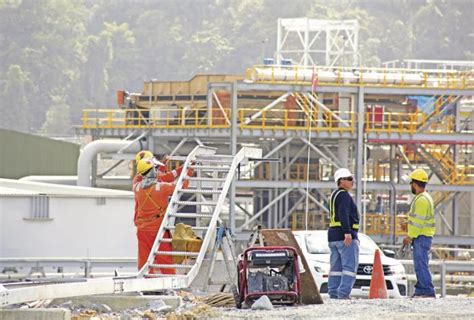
{"x": 444, "y": 168}
{"x": 441, "y": 165}
{"x": 206, "y": 193}
{"x": 440, "y": 105}
{"x": 306, "y": 106}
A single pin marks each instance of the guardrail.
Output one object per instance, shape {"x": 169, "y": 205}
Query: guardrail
{"x": 382, "y": 224}
{"x": 12, "y": 268}
{"x": 444, "y": 267}
{"x": 284, "y": 119}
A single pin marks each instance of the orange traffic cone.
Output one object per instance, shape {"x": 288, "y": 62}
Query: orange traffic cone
{"x": 378, "y": 288}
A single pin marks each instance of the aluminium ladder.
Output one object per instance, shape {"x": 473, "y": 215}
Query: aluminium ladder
{"x": 206, "y": 194}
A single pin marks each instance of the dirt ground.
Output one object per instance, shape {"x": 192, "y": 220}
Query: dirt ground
{"x": 441, "y": 308}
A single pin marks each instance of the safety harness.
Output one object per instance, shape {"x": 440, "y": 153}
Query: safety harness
{"x": 148, "y": 197}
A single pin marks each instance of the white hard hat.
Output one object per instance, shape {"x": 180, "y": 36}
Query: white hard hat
{"x": 342, "y": 173}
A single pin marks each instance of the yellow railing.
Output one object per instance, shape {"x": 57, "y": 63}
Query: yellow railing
{"x": 160, "y": 118}
{"x": 340, "y": 76}
{"x": 315, "y": 221}
{"x": 253, "y": 118}
{"x": 297, "y": 120}
{"x": 398, "y": 122}
{"x": 376, "y": 224}
{"x": 296, "y": 172}
{"x": 173, "y": 118}
{"x": 382, "y": 224}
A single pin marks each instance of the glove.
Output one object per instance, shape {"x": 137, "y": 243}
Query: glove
{"x": 407, "y": 240}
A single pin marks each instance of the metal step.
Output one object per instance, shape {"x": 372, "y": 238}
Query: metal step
{"x": 209, "y": 191}
{"x": 170, "y": 266}
{"x": 210, "y": 168}
{"x": 176, "y": 253}
{"x": 229, "y": 161}
{"x": 205, "y": 179}
{"x": 191, "y": 215}
{"x": 193, "y": 227}
{"x": 227, "y": 156}
{"x": 197, "y": 203}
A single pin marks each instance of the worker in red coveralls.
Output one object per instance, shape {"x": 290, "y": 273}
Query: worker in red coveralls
{"x": 162, "y": 174}
{"x": 151, "y": 197}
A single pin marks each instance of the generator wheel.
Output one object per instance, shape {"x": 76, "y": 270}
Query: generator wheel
{"x": 235, "y": 293}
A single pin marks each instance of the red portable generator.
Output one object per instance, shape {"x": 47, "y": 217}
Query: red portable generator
{"x": 270, "y": 271}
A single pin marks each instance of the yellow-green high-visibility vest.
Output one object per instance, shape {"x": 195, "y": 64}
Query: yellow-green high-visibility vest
{"x": 332, "y": 211}
{"x": 421, "y": 220}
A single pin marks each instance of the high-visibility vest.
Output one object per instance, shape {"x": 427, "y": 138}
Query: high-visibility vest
{"x": 421, "y": 220}
{"x": 333, "y": 223}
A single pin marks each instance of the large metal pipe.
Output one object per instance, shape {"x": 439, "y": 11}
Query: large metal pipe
{"x": 84, "y": 163}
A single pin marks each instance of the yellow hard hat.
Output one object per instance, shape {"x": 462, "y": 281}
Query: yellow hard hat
{"x": 144, "y": 165}
{"x": 144, "y": 154}
{"x": 419, "y": 175}
{"x": 147, "y": 154}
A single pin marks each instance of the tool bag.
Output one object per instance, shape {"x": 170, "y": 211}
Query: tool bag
{"x": 184, "y": 239}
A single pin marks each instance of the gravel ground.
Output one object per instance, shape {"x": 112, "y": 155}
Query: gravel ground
{"x": 193, "y": 307}
{"x": 446, "y": 308}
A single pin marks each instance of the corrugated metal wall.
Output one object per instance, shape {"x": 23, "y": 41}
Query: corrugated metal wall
{"x": 24, "y": 154}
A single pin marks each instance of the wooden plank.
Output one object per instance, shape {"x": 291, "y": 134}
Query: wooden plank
{"x": 284, "y": 237}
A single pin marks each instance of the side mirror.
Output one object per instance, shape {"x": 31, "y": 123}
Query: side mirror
{"x": 389, "y": 253}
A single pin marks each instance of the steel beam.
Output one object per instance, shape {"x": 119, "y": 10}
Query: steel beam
{"x": 312, "y": 146}
{"x": 266, "y": 108}
{"x": 437, "y": 239}
{"x": 403, "y": 91}
{"x": 310, "y": 196}
{"x": 330, "y": 185}
{"x": 290, "y": 212}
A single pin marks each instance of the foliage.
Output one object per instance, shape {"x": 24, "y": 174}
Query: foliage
{"x": 60, "y": 56}
{"x": 57, "y": 118}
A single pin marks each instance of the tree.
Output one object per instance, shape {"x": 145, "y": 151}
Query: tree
{"x": 58, "y": 120}
{"x": 45, "y": 38}
{"x": 15, "y": 105}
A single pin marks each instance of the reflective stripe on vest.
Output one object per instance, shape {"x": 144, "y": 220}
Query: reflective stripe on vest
{"x": 423, "y": 224}
{"x": 332, "y": 211}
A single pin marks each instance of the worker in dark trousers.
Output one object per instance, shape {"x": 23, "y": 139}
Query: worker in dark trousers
{"x": 342, "y": 237}
{"x": 421, "y": 229}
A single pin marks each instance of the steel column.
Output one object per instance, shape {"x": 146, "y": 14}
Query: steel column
{"x": 360, "y": 147}
{"x": 233, "y": 152}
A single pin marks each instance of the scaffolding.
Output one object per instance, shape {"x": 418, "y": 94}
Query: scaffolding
{"x": 310, "y": 42}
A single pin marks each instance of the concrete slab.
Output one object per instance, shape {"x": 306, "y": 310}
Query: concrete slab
{"x": 35, "y": 314}
{"x": 121, "y": 302}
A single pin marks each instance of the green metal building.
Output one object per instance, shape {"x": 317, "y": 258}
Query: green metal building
{"x": 23, "y": 154}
